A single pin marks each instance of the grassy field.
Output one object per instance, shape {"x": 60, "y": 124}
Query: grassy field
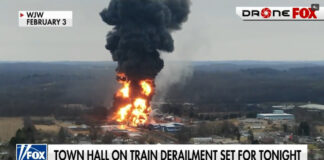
{"x": 9, "y": 126}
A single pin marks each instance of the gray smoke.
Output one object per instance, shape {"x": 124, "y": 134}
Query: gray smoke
{"x": 174, "y": 73}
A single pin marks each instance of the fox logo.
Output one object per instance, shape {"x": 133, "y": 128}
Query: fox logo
{"x": 31, "y": 152}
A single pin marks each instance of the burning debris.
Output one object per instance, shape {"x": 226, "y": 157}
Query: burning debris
{"x": 142, "y": 29}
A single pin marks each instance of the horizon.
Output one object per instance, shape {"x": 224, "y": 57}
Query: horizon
{"x": 109, "y": 61}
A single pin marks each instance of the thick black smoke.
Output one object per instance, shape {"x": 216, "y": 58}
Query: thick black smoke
{"x": 142, "y": 29}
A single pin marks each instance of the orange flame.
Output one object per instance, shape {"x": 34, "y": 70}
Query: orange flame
{"x": 124, "y": 92}
{"x": 147, "y": 89}
{"x": 121, "y": 77}
{"x": 123, "y": 113}
{"x": 137, "y": 112}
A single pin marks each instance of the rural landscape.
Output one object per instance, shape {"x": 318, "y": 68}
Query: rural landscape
{"x": 199, "y": 102}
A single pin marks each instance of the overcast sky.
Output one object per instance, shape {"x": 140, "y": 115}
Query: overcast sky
{"x": 213, "y": 32}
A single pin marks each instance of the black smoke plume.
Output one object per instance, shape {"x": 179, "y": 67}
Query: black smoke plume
{"x": 142, "y": 29}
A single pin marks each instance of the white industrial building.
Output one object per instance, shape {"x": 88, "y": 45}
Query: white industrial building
{"x": 276, "y": 115}
{"x": 166, "y": 127}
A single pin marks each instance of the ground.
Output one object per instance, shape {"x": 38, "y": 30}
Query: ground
{"x": 48, "y": 128}
{"x": 9, "y": 127}
{"x": 320, "y": 129}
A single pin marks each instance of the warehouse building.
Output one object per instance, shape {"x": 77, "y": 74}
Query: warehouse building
{"x": 276, "y": 115}
{"x": 166, "y": 127}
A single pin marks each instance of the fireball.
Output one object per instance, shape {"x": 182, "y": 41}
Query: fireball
{"x": 137, "y": 111}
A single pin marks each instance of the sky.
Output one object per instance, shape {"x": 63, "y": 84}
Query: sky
{"x": 212, "y": 32}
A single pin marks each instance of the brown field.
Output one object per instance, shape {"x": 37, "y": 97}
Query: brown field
{"x": 320, "y": 129}
{"x": 9, "y": 126}
{"x": 64, "y": 124}
{"x": 48, "y": 128}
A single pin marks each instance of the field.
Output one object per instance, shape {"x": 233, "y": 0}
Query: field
{"x": 9, "y": 126}
{"x": 48, "y": 128}
{"x": 320, "y": 129}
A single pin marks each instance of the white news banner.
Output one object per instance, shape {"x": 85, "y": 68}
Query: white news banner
{"x": 177, "y": 152}
{"x": 45, "y": 18}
